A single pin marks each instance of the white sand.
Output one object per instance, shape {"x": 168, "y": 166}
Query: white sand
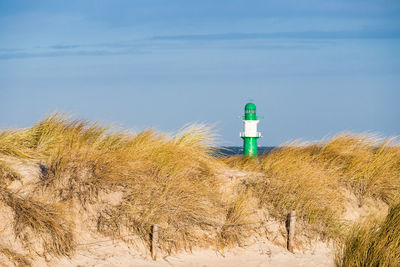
{"x": 262, "y": 253}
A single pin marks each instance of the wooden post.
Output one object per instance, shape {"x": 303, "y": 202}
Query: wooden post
{"x": 291, "y": 230}
{"x": 154, "y": 242}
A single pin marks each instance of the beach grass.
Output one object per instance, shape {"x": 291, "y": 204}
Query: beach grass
{"x": 372, "y": 242}
{"x": 174, "y": 181}
{"x": 313, "y": 178}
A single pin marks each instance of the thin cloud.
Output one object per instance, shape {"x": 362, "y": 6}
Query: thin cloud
{"x": 360, "y": 34}
{"x": 65, "y": 46}
{"x": 157, "y": 44}
{"x": 6, "y": 50}
{"x": 59, "y": 54}
{"x": 151, "y": 48}
{"x": 117, "y": 49}
{"x": 64, "y": 50}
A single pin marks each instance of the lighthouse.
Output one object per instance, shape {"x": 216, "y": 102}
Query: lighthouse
{"x": 250, "y": 134}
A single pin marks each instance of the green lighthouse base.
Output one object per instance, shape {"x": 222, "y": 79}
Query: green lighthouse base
{"x": 250, "y": 146}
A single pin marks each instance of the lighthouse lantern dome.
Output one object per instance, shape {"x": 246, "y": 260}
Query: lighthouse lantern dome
{"x": 250, "y": 112}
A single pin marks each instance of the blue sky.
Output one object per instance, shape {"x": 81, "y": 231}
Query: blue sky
{"x": 314, "y": 68}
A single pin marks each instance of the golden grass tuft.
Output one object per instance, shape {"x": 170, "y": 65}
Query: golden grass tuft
{"x": 33, "y": 220}
{"x": 14, "y": 257}
{"x": 312, "y": 178}
{"x": 293, "y": 181}
{"x": 7, "y": 174}
{"x": 16, "y": 143}
{"x": 369, "y": 165}
{"x": 168, "y": 180}
{"x": 372, "y": 242}
{"x": 172, "y": 183}
{"x": 239, "y": 220}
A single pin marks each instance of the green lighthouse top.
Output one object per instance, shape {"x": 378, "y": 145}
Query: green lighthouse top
{"x": 250, "y": 106}
{"x": 250, "y": 112}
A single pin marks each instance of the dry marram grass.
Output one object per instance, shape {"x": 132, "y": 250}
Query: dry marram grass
{"x": 13, "y": 257}
{"x": 372, "y": 242}
{"x": 173, "y": 181}
{"x": 311, "y": 178}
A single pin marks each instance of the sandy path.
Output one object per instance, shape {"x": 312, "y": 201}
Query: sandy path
{"x": 262, "y": 253}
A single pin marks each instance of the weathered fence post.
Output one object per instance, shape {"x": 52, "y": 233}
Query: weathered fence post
{"x": 291, "y": 230}
{"x": 154, "y": 241}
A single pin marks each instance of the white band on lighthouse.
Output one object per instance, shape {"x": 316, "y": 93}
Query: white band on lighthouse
{"x": 250, "y": 128}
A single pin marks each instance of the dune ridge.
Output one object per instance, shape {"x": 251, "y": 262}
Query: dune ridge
{"x": 71, "y": 184}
